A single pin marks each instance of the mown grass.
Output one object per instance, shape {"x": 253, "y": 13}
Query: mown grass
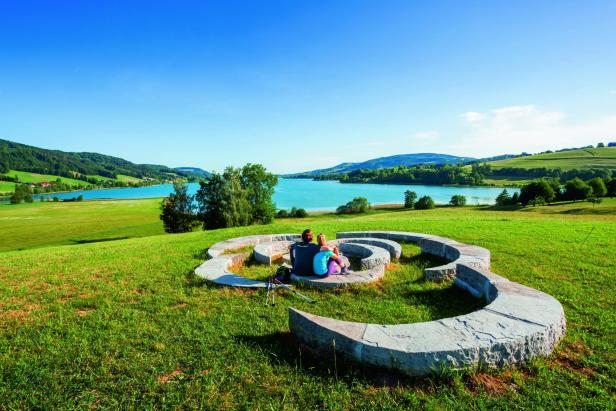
{"x": 125, "y": 323}
{"x": 41, "y": 224}
{"x": 586, "y": 158}
{"x": 7, "y": 187}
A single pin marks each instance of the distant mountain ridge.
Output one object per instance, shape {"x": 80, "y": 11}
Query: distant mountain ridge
{"x": 195, "y": 170}
{"x": 389, "y": 161}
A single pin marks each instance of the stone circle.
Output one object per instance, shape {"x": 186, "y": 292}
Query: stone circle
{"x": 517, "y": 324}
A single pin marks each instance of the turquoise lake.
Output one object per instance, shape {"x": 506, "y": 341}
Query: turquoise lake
{"x": 315, "y": 195}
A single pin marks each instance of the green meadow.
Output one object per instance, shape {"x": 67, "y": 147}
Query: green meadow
{"x": 100, "y": 309}
{"x": 604, "y": 157}
{"x": 27, "y": 177}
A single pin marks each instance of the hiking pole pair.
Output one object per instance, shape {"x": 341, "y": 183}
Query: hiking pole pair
{"x": 271, "y": 289}
{"x": 277, "y": 283}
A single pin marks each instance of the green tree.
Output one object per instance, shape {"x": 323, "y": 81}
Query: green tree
{"x": 577, "y": 189}
{"x": 598, "y": 187}
{"x": 282, "y": 213}
{"x": 503, "y": 198}
{"x": 259, "y": 185}
{"x": 537, "y": 192}
{"x": 211, "y": 200}
{"x": 515, "y": 198}
{"x": 457, "y": 200}
{"x": 177, "y": 210}
{"x": 298, "y": 213}
{"x": 410, "y": 197}
{"x": 611, "y": 187}
{"x": 356, "y": 206}
{"x": 425, "y": 203}
{"x": 238, "y": 208}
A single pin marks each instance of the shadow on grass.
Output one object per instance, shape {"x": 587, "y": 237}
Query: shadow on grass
{"x": 283, "y": 348}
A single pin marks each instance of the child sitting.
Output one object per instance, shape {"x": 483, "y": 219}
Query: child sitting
{"x": 328, "y": 260}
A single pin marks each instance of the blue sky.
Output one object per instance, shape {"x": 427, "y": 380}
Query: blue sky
{"x": 302, "y": 85}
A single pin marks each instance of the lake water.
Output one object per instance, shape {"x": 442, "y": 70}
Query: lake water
{"x": 314, "y": 195}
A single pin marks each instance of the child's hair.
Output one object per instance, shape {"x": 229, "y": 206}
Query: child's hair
{"x": 321, "y": 240}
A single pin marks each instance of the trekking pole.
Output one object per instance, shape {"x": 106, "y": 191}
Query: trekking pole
{"x": 273, "y": 294}
{"x": 269, "y": 285}
{"x": 286, "y": 287}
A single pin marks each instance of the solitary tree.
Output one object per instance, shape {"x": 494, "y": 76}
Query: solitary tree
{"x": 177, "y": 210}
{"x": 598, "y": 187}
{"x": 457, "y": 200}
{"x": 357, "y": 205}
{"x": 503, "y": 198}
{"x": 410, "y": 197}
{"x": 211, "y": 200}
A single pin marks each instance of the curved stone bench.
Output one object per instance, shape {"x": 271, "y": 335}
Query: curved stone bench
{"x": 247, "y": 241}
{"x": 447, "y": 248}
{"x": 373, "y": 261}
{"x": 268, "y": 252}
{"x": 216, "y": 269}
{"x": 518, "y": 324}
{"x": 341, "y": 280}
{"x": 394, "y": 248}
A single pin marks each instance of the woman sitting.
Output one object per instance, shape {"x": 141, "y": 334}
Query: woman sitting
{"x": 328, "y": 260}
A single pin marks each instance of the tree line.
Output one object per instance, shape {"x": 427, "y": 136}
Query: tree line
{"x": 547, "y": 191}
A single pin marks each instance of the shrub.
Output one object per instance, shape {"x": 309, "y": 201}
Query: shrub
{"x": 594, "y": 200}
{"x": 576, "y": 189}
{"x": 598, "y": 187}
{"x": 282, "y": 214}
{"x": 357, "y": 205}
{"x": 457, "y": 200}
{"x": 410, "y": 197}
{"x": 425, "y": 203}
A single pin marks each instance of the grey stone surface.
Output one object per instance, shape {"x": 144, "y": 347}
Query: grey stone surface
{"x": 394, "y": 248}
{"x": 342, "y": 280}
{"x": 517, "y": 324}
{"x": 447, "y": 248}
{"x": 269, "y": 252}
{"x": 216, "y": 269}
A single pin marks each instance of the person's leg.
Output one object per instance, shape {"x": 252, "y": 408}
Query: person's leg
{"x": 333, "y": 267}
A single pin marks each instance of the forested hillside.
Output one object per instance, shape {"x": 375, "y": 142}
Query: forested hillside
{"x": 81, "y": 166}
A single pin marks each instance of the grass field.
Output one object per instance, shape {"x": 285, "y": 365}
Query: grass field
{"x": 566, "y": 160}
{"x": 26, "y": 177}
{"x": 129, "y": 179}
{"x": 42, "y": 224}
{"x": 7, "y": 187}
{"x": 125, "y": 324}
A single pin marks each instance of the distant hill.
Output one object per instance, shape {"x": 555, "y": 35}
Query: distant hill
{"x": 195, "y": 170}
{"x": 390, "y": 161}
{"x": 585, "y": 158}
{"x": 81, "y": 166}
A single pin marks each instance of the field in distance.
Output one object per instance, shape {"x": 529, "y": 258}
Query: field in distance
{"x": 604, "y": 157}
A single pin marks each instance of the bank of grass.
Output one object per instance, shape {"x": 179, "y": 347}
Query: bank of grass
{"x": 574, "y": 159}
{"x": 125, "y": 323}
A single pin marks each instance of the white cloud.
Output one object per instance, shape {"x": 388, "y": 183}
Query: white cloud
{"x": 472, "y": 116}
{"x": 527, "y": 128}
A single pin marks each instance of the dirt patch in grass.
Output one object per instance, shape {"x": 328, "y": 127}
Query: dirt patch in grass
{"x": 165, "y": 378}
{"x": 19, "y": 313}
{"x": 496, "y": 385}
{"x": 570, "y": 358}
{"x": 84, "y": 312}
